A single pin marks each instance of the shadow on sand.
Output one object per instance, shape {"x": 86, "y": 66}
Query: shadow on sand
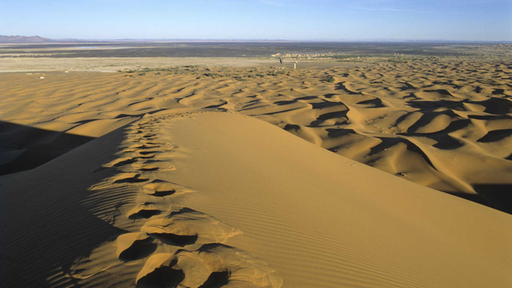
{"x": 24, "y": 148}
{"x": 46, "y": 221}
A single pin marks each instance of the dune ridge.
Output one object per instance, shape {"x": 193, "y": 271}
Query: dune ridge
{"x": 225, "y": 200}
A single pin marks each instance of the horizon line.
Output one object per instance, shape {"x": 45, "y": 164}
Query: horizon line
{"x": 256, "y": 40}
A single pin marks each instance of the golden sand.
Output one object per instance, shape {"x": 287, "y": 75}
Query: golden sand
{"x": 198, "y": 191}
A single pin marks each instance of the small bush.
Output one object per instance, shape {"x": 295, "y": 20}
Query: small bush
{"x": 329, "y": 79}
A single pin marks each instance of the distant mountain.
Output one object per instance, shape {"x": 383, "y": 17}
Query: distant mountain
{"x": 23, "y": 39}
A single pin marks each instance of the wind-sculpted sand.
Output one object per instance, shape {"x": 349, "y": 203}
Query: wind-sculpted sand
{"x": 192, "y": 189}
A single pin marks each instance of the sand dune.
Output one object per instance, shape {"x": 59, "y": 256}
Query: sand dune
{"x": 444, "y": 125}
{"x": 245, "y": 205}
{"x": 139, "y": 180}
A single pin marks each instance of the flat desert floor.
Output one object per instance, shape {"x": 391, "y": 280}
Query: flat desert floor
{"x": 386, "y": 175}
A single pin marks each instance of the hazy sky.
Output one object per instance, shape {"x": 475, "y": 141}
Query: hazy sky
{"x": 260, "y": 19}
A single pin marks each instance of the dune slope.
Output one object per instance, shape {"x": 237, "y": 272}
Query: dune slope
{"x": 225, "y": 200}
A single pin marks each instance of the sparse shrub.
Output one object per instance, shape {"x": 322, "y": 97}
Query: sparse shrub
{"x": 329, "y": 79}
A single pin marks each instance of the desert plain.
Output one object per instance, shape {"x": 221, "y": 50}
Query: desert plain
{"x": 388, "y": 169}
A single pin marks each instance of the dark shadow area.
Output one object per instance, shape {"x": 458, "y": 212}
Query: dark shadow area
{"x": 389, "y": 142}
{"x": 341, "y": 86}
{"x": 24, "y": 148}
{"x": 442, "y": 92}
{"x": 308, "y": 98}
{"x": 495, "y": 135}
{"x": 139, "y": 249}
{"x": 496, "y": 105}
{"x": 46, "y": 214}
{"x": 444, "y": 140}
{"x": 134, "y": 179}
{"x": 331, "y": 115}
{"x": 174, "y": 239}
{"x": 149, "y": 169}
{"x": 427, "y": 117}
{"x": 289, "y": 127}
{"x": 162, "y": 277}
{"x": 339, "y": 132}
{"x": 216, "y": 280}
{"x": 163, "y": 193}
{"x": 427, "y": 106}
{"x": 326, "y": 104}
{"x": 374, "y": 103}
{"x": 498, "y": 195}
{"x": 285, "y": 102}
{"x": 223, "y": 102}
{"x": 145, "y": 214}
{"x": 471, "y": 197}
{"x": 125, "y": 162}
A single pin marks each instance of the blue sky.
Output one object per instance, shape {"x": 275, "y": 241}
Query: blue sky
{"x": 485, "y": 20}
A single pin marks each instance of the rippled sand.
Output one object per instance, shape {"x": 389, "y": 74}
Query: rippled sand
{"x": 193, "y": 187}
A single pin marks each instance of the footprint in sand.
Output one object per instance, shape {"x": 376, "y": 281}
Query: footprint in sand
{"x": 121, "y": 162}
{"x": 143, "y": 211}
{"x": 212, "y": 265}
{"x": 144, "y": 146}
{"x": 153, "y": 166}
{"x": 159, "y": 189}
{"x": 186, "y": 227}
{"x": 148, "y": 168}
{"x": 129, "y": 178}
{"x": 182, "y": 247}
{"x": 147, "y": 152}
{"x": 134, "y": 246}
{"x": 144, "y": 156}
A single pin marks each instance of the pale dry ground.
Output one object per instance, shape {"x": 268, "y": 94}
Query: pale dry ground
{"x": 42, "y": 64}
{"x": 114, "y": 64}
{"x": 249, "y": 203}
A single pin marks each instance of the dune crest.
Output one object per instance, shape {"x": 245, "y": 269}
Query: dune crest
{"x": 246, "y": 205}
{"x": 175, "y": 246}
